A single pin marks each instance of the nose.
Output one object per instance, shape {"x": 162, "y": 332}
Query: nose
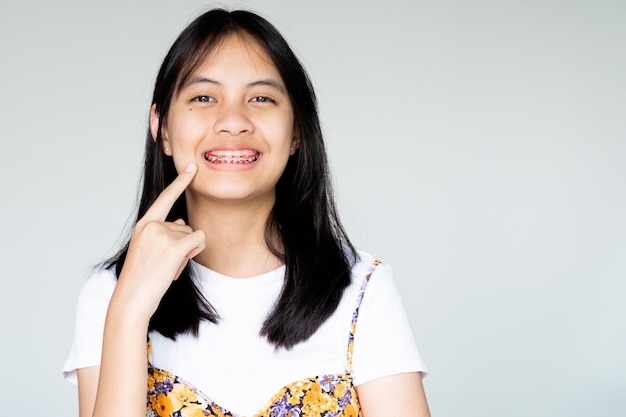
{"x": 233, "y": 119}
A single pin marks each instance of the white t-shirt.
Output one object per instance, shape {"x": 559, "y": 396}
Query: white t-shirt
{"x": 239, "y": 369}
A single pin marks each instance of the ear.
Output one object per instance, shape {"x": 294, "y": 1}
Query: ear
{"x": 295, "y": 144}
{"x": 154, "y": 130}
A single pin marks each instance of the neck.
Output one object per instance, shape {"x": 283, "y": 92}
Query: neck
{"x": 235, "y": 237}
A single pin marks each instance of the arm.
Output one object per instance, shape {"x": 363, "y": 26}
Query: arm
{"x": 387, "y": 374}
{"x": 157, "y": 254}
{"x": 394, "y": 395}
{"x": 122, "y": 378}
{"x": 87, "y": 387}
{"x": 126, "y": 372}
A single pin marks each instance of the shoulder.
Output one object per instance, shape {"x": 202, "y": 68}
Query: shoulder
{"x": 374, "y": 283}
{"x": 377, "y": 273}
{"x": 97, "y": 290}
{"x": 101, "y": 277}
{"x": 364, "y": 262}
{"x": 91, "y": 308}
{"x": 383, "y": 340}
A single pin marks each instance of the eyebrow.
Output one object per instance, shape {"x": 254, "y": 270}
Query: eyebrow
{"x": 270, "y": 82}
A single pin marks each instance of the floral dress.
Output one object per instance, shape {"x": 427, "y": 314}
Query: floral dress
{"x": 330, "y": 395}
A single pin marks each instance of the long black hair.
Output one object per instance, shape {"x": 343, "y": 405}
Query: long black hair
{"x": 314, "y": 246}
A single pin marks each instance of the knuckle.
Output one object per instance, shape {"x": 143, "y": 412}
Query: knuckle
{"x": 151, "y": 226}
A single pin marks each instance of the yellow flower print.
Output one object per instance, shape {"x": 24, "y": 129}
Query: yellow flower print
{"x": 152, "y": 400}
{"x": 164, "y": 407}
{"x": 349, "y": 411}
{"x": 313, "y": 395}
{"x": 340, "y": 390}
{"x": 316, "y": 401}
{"x": 182, "y": 395}
{"x": 296, "y": 391}
{"x": 194, "y": 410}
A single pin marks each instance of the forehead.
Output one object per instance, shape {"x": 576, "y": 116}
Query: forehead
{"x": 237, "y": 56}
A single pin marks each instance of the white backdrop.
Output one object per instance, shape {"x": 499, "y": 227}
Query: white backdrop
{"x": 479, "y": 147}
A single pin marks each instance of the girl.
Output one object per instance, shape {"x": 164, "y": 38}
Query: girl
{"x": 239, "y": 292}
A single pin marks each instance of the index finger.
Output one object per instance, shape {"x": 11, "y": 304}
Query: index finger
{"x": 165, "y": 201}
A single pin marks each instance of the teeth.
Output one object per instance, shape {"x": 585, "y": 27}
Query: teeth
{"x": 231, "y": 157}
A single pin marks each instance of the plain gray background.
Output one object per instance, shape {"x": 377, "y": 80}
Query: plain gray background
{"x": 478, "y": 147}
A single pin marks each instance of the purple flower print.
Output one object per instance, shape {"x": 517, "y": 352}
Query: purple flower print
{"x": 163, "y": 387}
{"x": 328, "y": 382}
{"x": 282, "y": 408}
{"x": 345, "y": 400}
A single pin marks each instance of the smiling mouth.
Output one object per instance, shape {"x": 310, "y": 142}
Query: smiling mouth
{"x": 232, "y": 157}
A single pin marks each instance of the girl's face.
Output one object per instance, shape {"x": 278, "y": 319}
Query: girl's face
{"x": 234, "y": 119}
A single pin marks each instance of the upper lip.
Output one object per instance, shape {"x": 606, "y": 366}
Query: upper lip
{"x": 230, "y": 148}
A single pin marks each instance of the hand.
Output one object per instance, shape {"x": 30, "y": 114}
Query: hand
{"x": 158, "y": 250}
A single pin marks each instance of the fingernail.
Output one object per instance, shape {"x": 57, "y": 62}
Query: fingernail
{"x": 190, "y": 167}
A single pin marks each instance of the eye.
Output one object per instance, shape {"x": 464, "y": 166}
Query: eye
{"x": 262, "y": 99}
{"x": 204, "y": 99}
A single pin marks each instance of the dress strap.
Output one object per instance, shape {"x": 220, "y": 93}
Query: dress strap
{"x": 355, "y": 314}
{"x": 149, "y": 349}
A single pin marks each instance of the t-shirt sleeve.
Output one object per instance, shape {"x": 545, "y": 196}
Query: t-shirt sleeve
{"x": 91, "y": 309}
{"x": 383, "y": 341}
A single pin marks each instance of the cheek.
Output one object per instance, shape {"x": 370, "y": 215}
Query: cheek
{"x": 284, "y": 130}
{"x": 186, "y": 127}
